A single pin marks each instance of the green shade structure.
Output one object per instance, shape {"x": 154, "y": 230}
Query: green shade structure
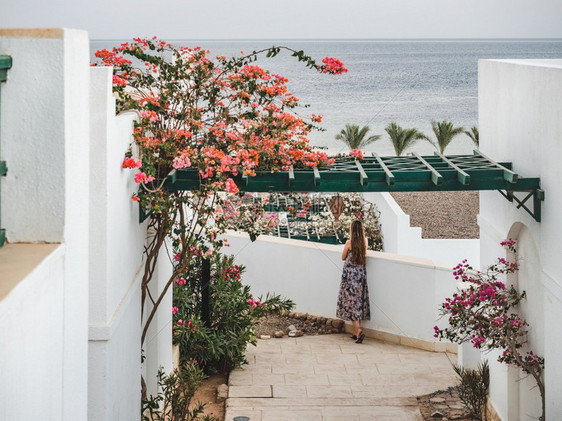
{"x": 390, "y": 174}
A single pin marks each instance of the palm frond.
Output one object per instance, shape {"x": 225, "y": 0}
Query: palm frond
{"x": 474, "y": 135}
{"x": 444, "y": 131}
{"x": 354, "y": 136}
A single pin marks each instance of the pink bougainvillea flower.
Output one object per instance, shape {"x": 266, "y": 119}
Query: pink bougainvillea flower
{"x": 140, "y": 177}
{"x": 356, "y": 153}
{"x": 332, "y": 65}
{"x": 117, "y": 80}
{"x": 131, "y": 163}
{"x": 174, "y": 310}
{"x": 231, "y": 186}
{"x": 151, "y": 116}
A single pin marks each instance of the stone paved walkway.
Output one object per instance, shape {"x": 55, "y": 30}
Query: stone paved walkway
{"x": 331, "y": 378}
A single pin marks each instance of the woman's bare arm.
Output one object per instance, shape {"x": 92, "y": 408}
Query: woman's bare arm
{"x": 346, "y": 249}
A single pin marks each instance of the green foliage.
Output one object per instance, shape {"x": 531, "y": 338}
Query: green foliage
{"x": 473, "y": 389}
{"x": 474, "y": 135}
{"x": 445, "y": 132}
{"x": 355, "y": 137}
{"x": 403, "y": 139}
{"x": 220, "y": 345}
{"x": 174, "y": 399}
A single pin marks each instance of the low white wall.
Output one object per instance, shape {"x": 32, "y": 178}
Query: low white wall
{"x": 32, "y": 343}
{"x": 405, "y": 292}
{"x": 400, "y": 238}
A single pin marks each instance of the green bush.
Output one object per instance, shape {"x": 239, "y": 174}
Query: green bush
{"x": 174, "y": 400}
{"x": 221, "y": 343}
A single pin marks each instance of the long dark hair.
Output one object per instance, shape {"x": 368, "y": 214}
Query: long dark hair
{"x": 358, "y": 247}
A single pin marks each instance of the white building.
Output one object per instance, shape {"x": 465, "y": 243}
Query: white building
{"x": 69, "y": 277}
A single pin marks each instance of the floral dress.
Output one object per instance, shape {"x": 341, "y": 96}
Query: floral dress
{"x": 353, "y": 299}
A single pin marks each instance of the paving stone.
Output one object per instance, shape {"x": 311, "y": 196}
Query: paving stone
{"x": 249, "y": 392}
{"x": 327, "y": 378}
{"x": 292, "y": 391}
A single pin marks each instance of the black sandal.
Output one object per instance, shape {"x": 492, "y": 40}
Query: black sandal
{"x": 353, "y": 337}
{"x": 360, "y": 339}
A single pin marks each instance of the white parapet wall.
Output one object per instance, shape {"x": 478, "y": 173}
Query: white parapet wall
{"x": 400, "y": 238}
{"x": 405, "y": 292}
{"x": 520, "y": 111}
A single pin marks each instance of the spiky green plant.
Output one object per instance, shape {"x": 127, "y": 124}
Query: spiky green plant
{"x": 355, "y": 137}
{"x": 403, "y": 139}
{"x": 444, "y": 131}
{"x": 473, "y": 389}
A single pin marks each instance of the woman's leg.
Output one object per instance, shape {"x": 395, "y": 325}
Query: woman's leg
{"x": 356, "y": 327}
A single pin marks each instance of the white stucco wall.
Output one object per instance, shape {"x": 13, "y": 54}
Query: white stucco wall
{"x": 45, "y": 135}
{"x": 400, "y": 238}
{"x": 521, "y": 122}
{"x": 116, "y": 239}
{"x": 405, "y": 292}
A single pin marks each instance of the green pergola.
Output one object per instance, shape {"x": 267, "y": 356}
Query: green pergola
{"x": 391, "y": 173}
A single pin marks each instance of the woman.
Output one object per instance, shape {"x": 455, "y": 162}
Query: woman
{"x": 353, "y": 299}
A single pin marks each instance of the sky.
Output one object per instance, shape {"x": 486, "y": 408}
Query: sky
{"x": 291, "y": 19}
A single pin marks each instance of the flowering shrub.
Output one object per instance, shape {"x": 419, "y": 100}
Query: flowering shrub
{"x": 220, "y": 345}
{"x": 484, "y": 313}
{"x": 222, "y": 118}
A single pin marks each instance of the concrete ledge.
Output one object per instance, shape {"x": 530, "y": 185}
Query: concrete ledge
{"x": 31, "y": 32}
{"x": 19, "y": 260}
{"x": 405, "y": 341}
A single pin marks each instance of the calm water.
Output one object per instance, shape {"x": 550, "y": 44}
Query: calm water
{"x": 409, "y": 82}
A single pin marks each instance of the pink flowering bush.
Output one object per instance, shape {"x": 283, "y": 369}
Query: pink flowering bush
{"x": 485, "y": 314}
{"x": 220, "y": 118}
{"x": 217, "y": 118}
{"x": 220, "y": 344}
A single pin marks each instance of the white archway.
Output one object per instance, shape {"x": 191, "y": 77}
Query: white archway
{"x": 524, "y": 398}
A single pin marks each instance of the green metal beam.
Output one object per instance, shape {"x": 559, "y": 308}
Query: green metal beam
{"x": 316, "y": 176}
{"x": 436, "y": 178}
{"x": 389, "y": 176}
{"x": 5, "y": 65}
{"x": 463, "y": 177}
{"x": 291, "y": 176}
{"x": 363, "y": 179}
{"x": 507, "y": 174}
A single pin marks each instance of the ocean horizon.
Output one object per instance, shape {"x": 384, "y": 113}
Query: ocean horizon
{"x": 407, "y": 81}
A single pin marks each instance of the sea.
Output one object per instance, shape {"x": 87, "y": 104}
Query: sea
{"x": 410, "y": 82}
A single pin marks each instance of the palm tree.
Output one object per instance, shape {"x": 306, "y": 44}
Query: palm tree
{"x": 474, "y": 135}
{"x": 445, "y": 131}
{"x": 401, "y": 138}
{"x": 354, "y": 137}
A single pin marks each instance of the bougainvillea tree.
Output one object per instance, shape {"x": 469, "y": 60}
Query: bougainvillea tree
{"x": 485, "y": 314}
{"x": 221, "y": 117}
